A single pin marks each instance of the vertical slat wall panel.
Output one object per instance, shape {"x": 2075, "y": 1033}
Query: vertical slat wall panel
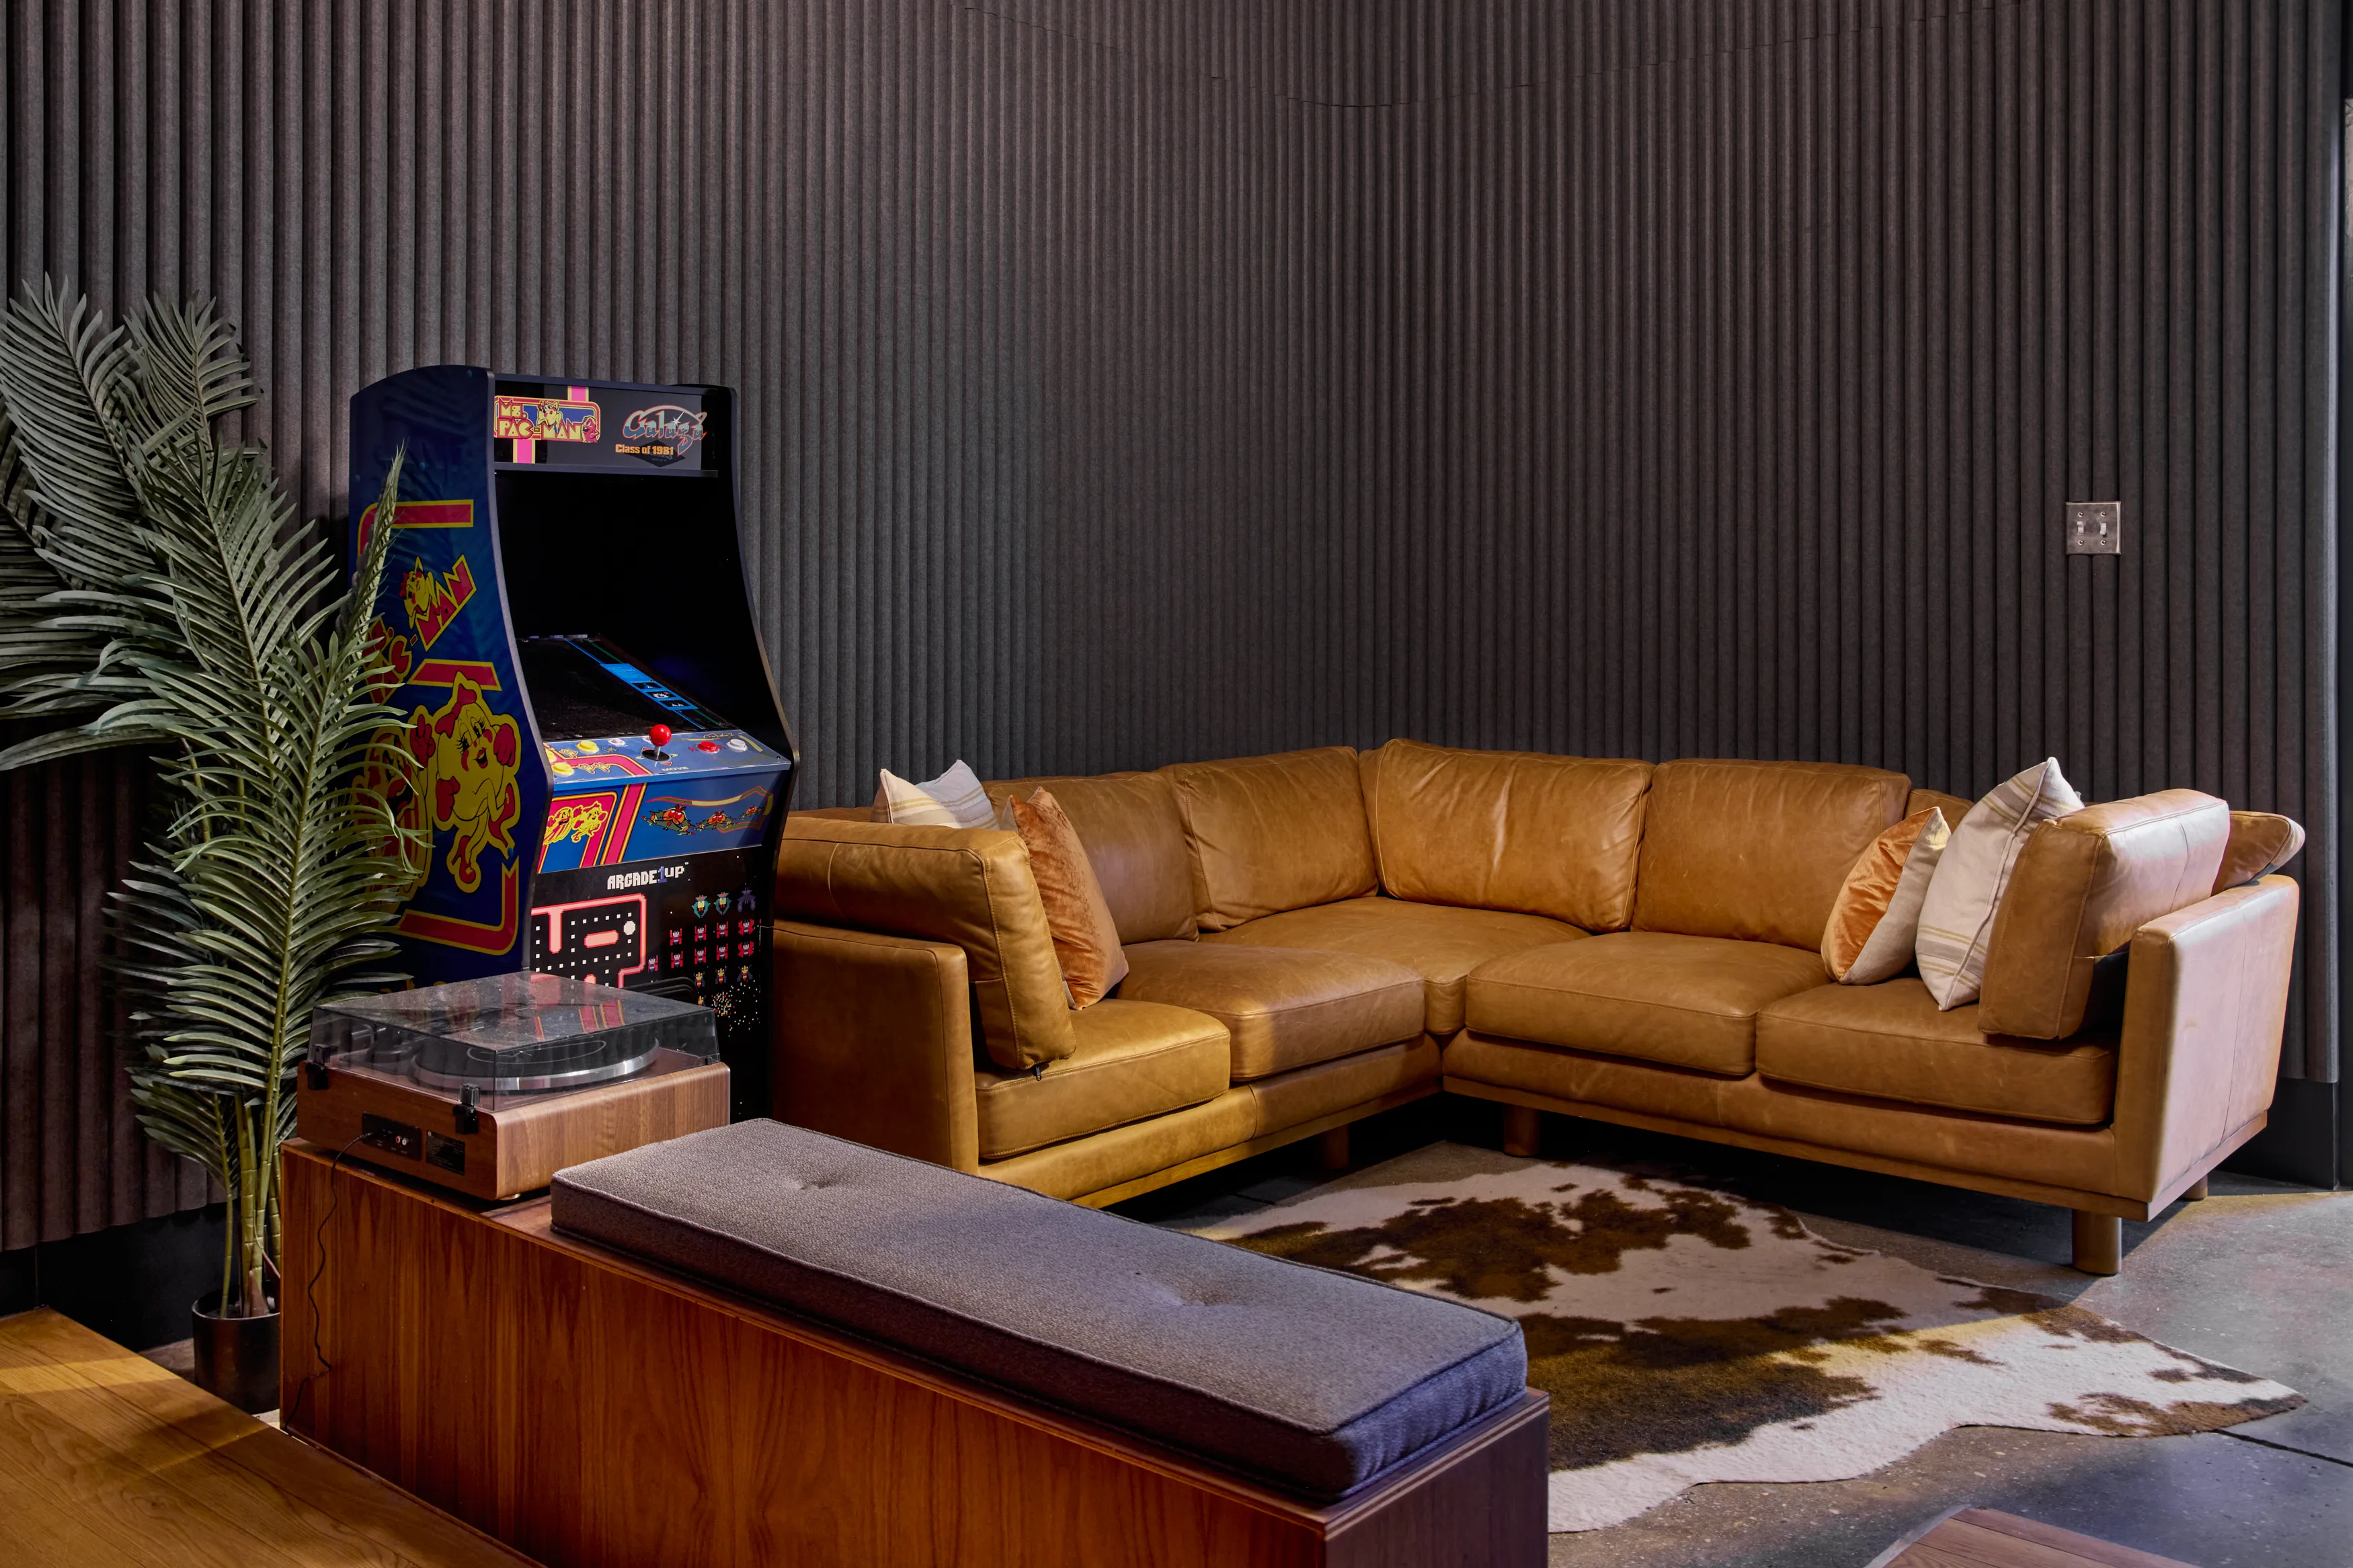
{"x": 1736, "y": 361}
{"x": 72, "y": 1158}
{"x": 1147, "y": 379}
{"x": 1018, "y": 297}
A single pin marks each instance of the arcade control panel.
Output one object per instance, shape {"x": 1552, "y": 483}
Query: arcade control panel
{"x": 651, "y": 864}
{"x": 690, "y": 930}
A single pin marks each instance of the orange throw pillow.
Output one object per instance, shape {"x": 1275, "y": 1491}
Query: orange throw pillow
{"x": 1085, "y": 940}
{"x": 1885, "y": 887}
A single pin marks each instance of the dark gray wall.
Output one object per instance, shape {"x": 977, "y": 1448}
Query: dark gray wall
{"x": 1717, "y": 376}
{"x": 1129, "y": 379}
{"x": 1022, "y": 300}
{"x": 72, "y": 1158}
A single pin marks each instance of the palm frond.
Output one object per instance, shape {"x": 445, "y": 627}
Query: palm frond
{"x": 65, "y": 377}
{"x": 69, "y": 376}
{"x": 153, "y": 586}
{"x": 185, "y": 359}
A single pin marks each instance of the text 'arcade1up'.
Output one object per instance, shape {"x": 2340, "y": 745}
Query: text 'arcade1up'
{"x": 603, "y": 762}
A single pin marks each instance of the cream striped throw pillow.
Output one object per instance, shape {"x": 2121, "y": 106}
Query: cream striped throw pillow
{"x": 954, "y": 799}
{"x": 1956, "y": 917}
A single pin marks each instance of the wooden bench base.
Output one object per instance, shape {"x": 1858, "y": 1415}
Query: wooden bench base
{"x": 589, "y": 1409}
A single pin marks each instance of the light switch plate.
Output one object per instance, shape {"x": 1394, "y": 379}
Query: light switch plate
{"x": 2095, "y": 527}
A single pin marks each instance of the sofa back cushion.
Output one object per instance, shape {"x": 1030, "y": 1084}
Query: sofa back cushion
{"x": 1757, "y": 850}
{"x": 970, "y": 886}
{"x": 1510, "y": 830}
{"x": 2083, "y": 884}
{"x": 2261, "y": 843}
{"x": 1952, "y": 806}
{"x": 1134, "y": 841}
{"x": 1269, "y": 834}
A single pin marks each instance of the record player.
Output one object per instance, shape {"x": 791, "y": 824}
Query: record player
{"x": 491, "y": 1086}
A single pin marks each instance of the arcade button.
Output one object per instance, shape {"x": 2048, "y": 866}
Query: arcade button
{"x": 739, "y": 744}
{"x": 587, "y": 748}
{"x": 706, "y": 746}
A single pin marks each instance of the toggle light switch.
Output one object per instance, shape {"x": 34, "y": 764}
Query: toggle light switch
{"x": 2095, "y": 527}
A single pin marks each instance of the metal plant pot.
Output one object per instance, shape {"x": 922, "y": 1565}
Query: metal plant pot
{"x": 237, "y": 1358}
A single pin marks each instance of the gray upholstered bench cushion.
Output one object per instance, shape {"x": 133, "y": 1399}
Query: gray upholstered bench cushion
{"x": 1313, "y": 1380}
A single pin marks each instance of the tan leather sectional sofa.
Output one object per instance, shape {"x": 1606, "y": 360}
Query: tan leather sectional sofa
{"x": 1319, "y": 935}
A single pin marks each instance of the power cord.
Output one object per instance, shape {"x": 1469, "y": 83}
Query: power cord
{"x": 309, "y": 1290}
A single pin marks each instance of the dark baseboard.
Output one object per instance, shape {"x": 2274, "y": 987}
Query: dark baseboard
{"x": 20, "y": 1288}
{"x": 2300, "y": 1144}
{"x": 133, "y": 1283}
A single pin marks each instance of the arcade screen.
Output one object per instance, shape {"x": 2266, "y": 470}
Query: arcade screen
{"x": 584, "y": 686}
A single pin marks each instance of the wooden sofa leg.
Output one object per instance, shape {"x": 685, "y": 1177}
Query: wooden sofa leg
{"x": 2099, "y": 1242}
{"x": 1332, "y": 1149}
{"x": 2198, "y": 1191}
{"x": 1523, "y": 1130}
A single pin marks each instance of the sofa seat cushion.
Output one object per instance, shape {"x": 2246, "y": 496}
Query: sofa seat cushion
{"x": 1302, "y": 1094}
{"x": 1085, "y": 1168}
{"x": 1133, "y": 1059}
{"x": 1282, "y": 1007}
{"x": 1440, "y": 943}
{"x": 1685, "y": 1000}
{"x": 1889, "y": 1041}
{"x": 1314, "y": 1381}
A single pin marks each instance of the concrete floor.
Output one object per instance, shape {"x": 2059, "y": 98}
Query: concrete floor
{"x": 2259, "y": 1275}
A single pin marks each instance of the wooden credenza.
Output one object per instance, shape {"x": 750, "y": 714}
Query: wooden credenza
{"x": 591, "y": 1410}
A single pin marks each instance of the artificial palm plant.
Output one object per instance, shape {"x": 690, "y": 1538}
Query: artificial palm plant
{"x": 156, "y": 592}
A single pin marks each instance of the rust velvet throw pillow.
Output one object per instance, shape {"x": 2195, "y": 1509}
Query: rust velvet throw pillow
{"x": 1085, "y": 939}
{"x": 1876, "y": 919}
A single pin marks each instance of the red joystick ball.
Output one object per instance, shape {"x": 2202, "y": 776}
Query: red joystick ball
{"x": 659, "y": 735}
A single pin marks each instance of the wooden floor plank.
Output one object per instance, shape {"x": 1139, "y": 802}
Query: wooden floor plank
{"x": 173, "y": 1451}
{"x": 282, "y": 1486}
{"x": 1986, "y": 1538}
{"x": 38, "y": 1530}
{"x": 2106, "y": 1553}
{"x": 1957, "y": 1545}
{"x": 106, "y": 1458}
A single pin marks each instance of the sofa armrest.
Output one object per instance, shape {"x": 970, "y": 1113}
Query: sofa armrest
{"x": 2205, "y": 1001}
{"x": 873, "y": 1041}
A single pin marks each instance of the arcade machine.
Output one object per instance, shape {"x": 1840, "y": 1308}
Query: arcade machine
{"x": 603, "y": 762}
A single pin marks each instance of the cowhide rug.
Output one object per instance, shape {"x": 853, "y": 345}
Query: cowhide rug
{"x": 1689, "y": 1336}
